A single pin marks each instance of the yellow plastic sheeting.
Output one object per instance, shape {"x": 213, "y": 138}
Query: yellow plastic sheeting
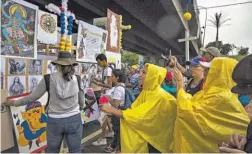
{"x": 212, "y": 115}
{"x": 151, "y": 118}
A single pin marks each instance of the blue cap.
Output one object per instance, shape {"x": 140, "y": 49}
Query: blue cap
{"x": 196, "y": 60}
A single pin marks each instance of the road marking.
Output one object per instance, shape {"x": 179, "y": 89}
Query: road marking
{"x": 84, "y": 140}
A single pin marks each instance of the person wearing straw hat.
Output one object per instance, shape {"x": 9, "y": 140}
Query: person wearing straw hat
{"x": 66, "y": 100}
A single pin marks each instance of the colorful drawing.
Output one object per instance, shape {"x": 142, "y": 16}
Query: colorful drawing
{"x": 30, "y": 125}
{"x": 47, "y": 28}
{"x": 90, "y": 111}
{"x": 16, "y": 85}
{"x": 91, "y": 41}
{"x": 18, "y": 29}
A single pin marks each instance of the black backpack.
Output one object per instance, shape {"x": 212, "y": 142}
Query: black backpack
{"x": 47, "y": 83}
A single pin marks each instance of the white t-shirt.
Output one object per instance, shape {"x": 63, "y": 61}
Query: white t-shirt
{"x": 119, "y": 94}
{"x": 106, "y": 73}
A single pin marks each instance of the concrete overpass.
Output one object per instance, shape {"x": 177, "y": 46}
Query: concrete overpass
{"x": 156, "y": 24}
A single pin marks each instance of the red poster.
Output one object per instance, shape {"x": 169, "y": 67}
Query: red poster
{"x": 113, "y": 43}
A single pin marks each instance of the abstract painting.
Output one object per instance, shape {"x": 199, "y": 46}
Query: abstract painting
{"x": 18, "y": 29}
{"x": 47, "y": 28}
{"x": 30, "y": 125}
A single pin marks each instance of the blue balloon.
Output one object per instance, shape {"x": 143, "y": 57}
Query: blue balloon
{"x": 187, "y": 1}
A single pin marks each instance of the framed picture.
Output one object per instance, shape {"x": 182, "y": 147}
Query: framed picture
{"x": 19, "y": 29}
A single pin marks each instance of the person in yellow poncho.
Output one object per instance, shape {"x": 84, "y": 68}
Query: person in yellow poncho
{"x": 148, "y": 125}
{"x": 212, "y": 115}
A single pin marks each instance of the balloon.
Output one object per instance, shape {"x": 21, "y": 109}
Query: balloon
{"x": 187, "y": 16}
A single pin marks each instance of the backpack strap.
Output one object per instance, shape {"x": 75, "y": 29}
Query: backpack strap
{"x": 79, "y": 81}
{"x": 47, "y": 83}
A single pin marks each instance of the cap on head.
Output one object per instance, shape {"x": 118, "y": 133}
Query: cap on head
{"x": 134, "y": 67}
{"x": 196, "y": 60}
{"x": 242, "y": 75}
{"x": 168, "y": 76}
{"x": 211, "y": 50}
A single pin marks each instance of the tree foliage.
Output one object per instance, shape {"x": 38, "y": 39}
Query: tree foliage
{"x": 243, "y": 51}
{"x": 224, "y": 48}
{"x": 130, "y": 58}
{"x": 217, "y": 21}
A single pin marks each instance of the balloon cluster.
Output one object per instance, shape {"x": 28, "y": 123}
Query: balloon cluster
{"x": 187, "y": 15}
{"x": 66, "y": 21}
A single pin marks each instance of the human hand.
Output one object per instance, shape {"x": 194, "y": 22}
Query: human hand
{"x": 229, "y": 150}
{"x": 109, "y": 98}
{"x": 237, "y": 141}
{"x": 105, "y": 108}
{"x": 248, "y": 109}
{"x": 9, "y": 102}
{"x": 177, "y": 75}
{"x": 172, "y": 61}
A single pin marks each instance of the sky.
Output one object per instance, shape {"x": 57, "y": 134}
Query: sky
{"x": 239, "y": 29}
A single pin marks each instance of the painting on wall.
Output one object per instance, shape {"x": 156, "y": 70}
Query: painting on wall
{"x": 47, "y": 27}
{"x": 17, "y": 66}
{"x": 30, "y": 125}
{"x": 2, "y": 73}
{"x": 91, "y": 41}
{"x": 113, "y": 24}
{"x": 18, "y": 29}
{"x": 16, "y": 85}
{"x": 36, "y": 67}
{"x": 90, "y": 111}
{"x": 33, "y": 81}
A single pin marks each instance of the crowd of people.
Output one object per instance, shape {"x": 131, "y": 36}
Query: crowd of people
{"x": 211, "y": 111}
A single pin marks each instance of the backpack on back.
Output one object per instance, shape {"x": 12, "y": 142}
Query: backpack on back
{"x": 129, "y": 99}
{"x": 47, "y": 83}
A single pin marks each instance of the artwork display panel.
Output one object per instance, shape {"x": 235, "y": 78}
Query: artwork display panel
{"x": 17, "y": 66}
{"x": 91, "y": 41}
{"x": 19, "y": 29}
{"x": 33, "y": 81}
{"x": 16, "y": 85}
{"x": 36, "y": 67}
{"x": 30, "y": 123}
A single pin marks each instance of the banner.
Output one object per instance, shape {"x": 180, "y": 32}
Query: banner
{"x": 30, "y": 124}
{"x": 113, "y": 44}
{"x": 91, "y": 41}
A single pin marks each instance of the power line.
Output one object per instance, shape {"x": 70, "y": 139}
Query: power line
{"x": 217, "y": 6}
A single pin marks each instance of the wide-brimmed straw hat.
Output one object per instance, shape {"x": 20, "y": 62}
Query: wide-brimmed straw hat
{"x": 242, "y": 75}
{"x": 64, "y": 58}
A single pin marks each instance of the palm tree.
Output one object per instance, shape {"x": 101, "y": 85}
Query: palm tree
{"x": 218, "y": 21}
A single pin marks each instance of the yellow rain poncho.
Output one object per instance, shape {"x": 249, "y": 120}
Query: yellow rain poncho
{"x": 151, "y": 118}
{"x": 212, "y": 115}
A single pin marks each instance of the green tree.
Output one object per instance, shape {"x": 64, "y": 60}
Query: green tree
{"x": 243, "y": 51}
{"x": 224, "y": 48}
{"x": 130, "y": 58}
{"x": 217, "y": 21}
